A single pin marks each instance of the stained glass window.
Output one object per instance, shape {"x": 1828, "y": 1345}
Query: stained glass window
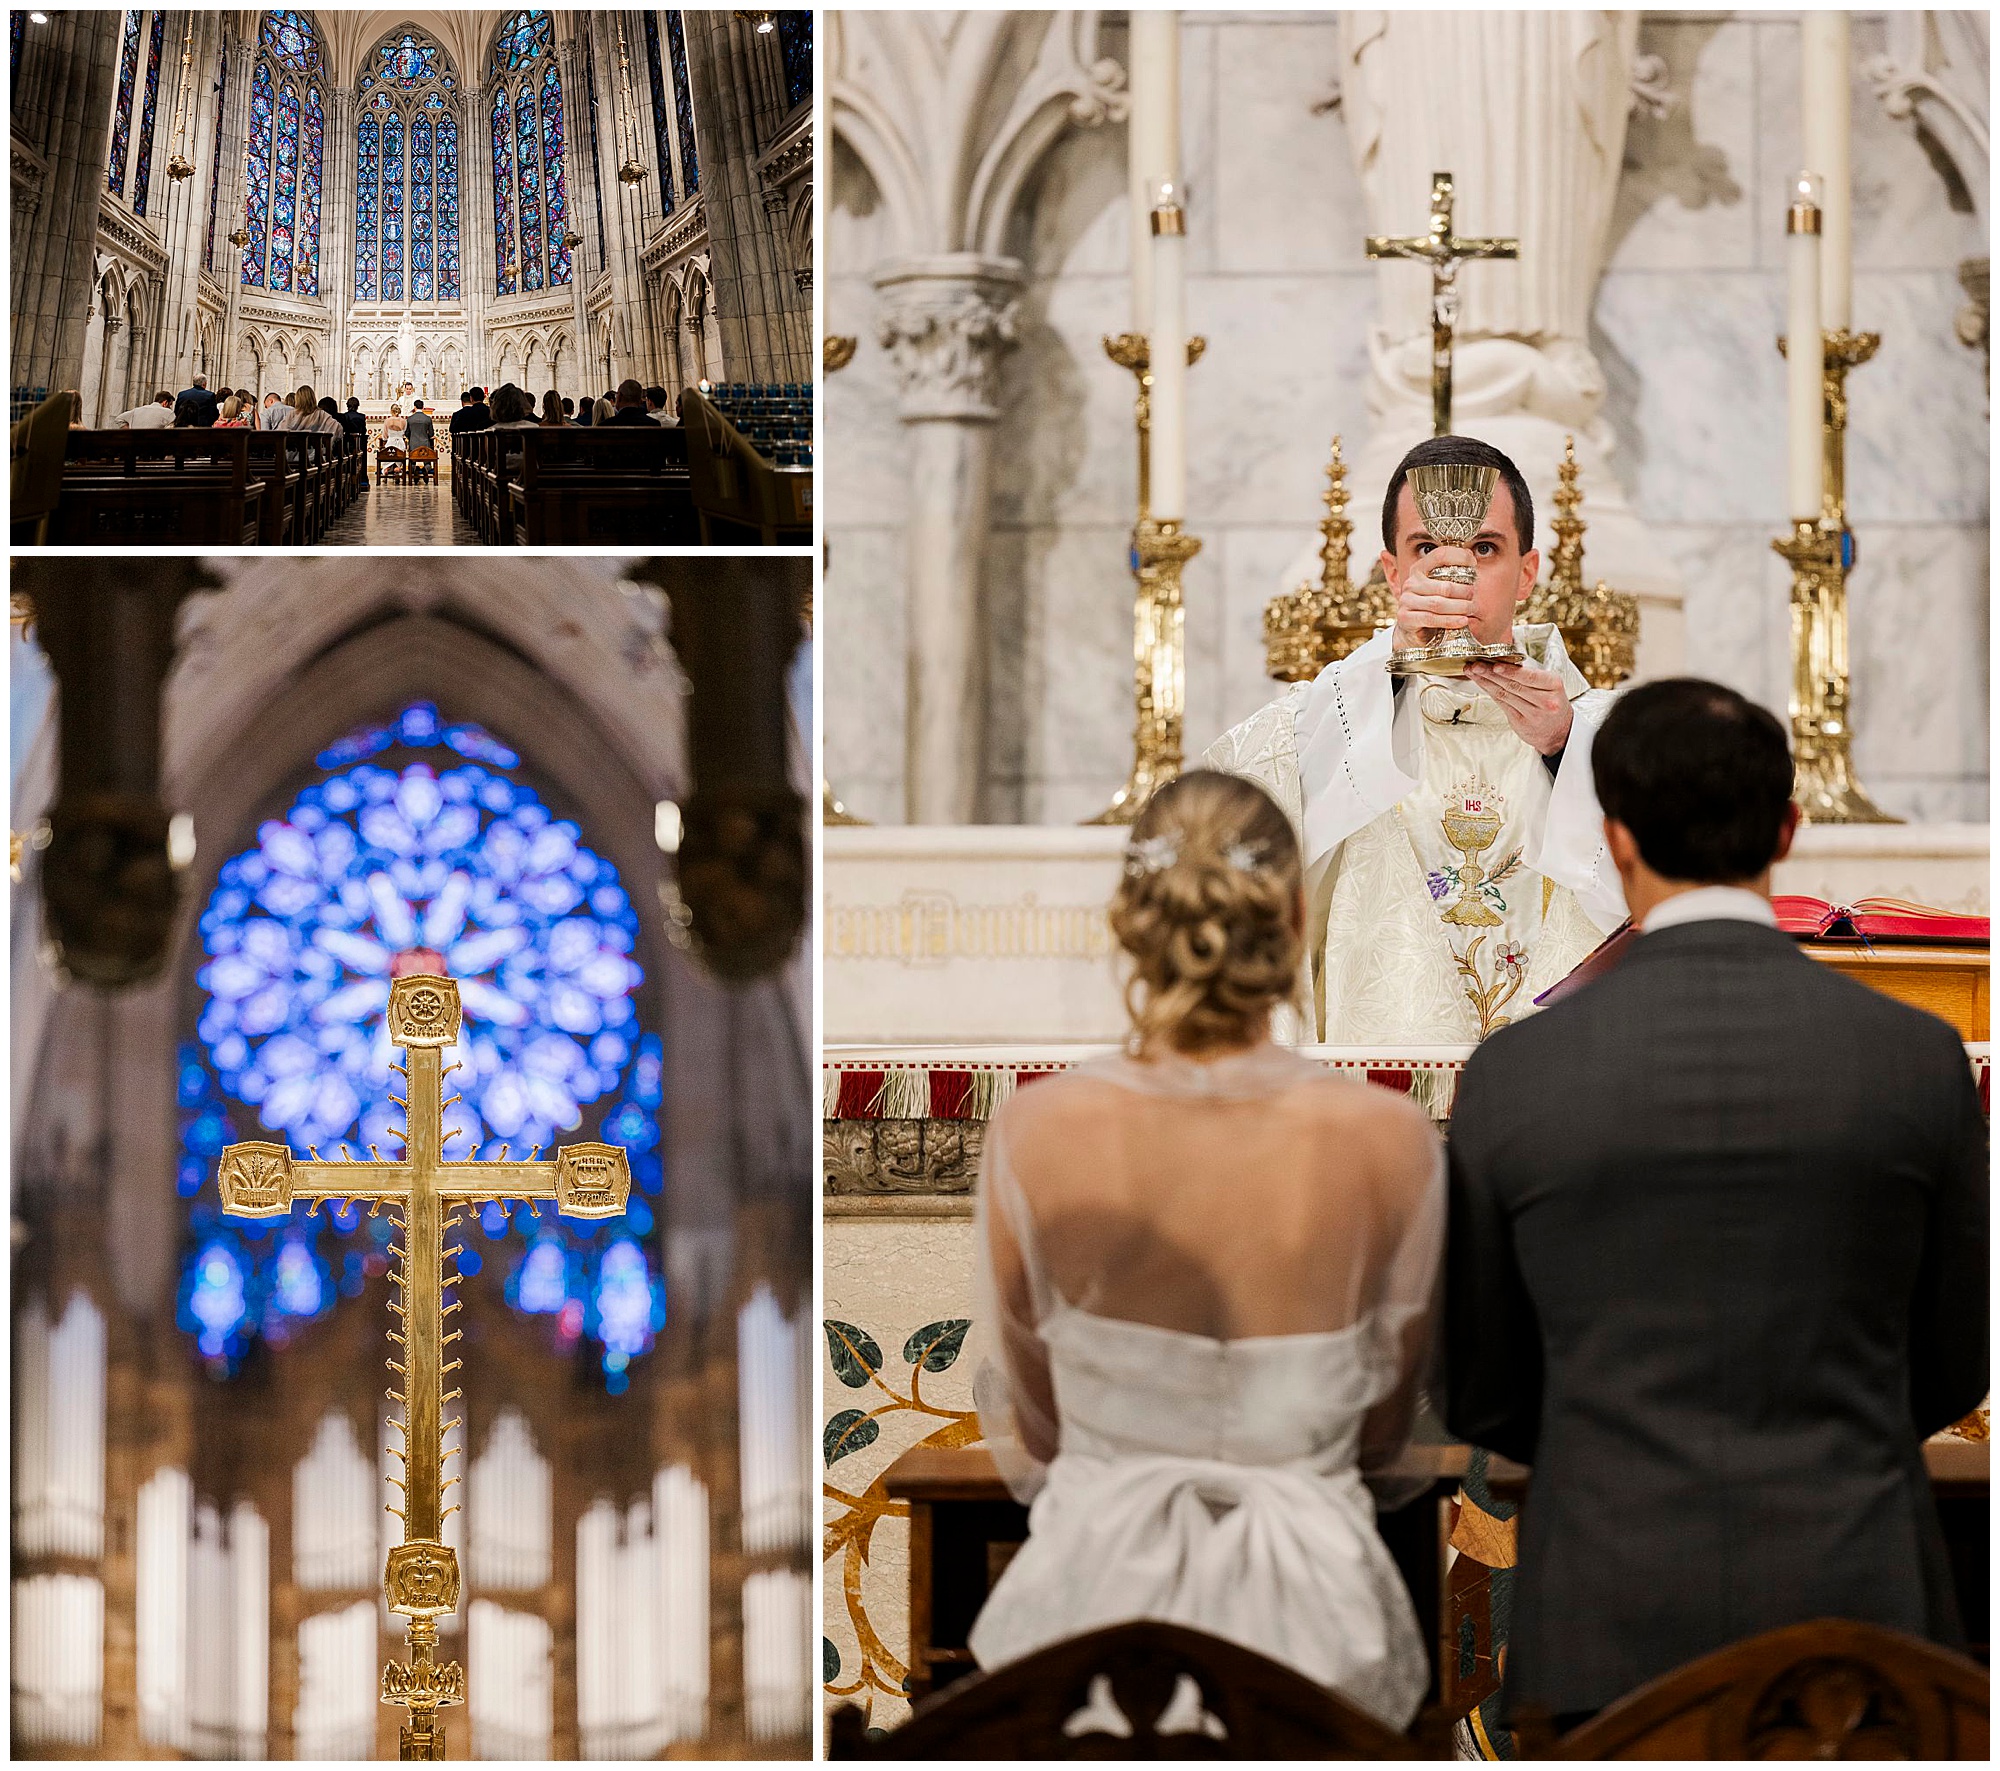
{"x": 284, "y": 216}
{"x": 529, "y": 171}
{"x": 409, "y": 60}
{"x": 263, "y": 100}
{"x": 312, "y": 160}
{"x": 552, "y": 161}
{"x": 17, "y": 23}
{"x": 503, "y": 185}
{"x": 795, "y": 44}
{"x": 143, "y": 176}
{"x": 367, "y": 269}
{"x": 121, "y": 115}
{"x": 418, "y": 842}
{"x": 423, "y": 282}
{"x": 523, "y": 36}
{"x": 285, "y": 157}
{"x": 447, "y": 207}
{"x": 215, "y": 164}
{"x": 683, "y": 106}
{"x": 392, "y": 208}
{"x": 596, "y": 156}
{"x": 291, "y": 41}
{"x": 663, "y": 125}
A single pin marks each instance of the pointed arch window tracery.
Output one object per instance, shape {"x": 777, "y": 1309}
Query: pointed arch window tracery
{"x": 530, "y": 184}
{"x": 407, "y": 172}
{"x": 285, "y": 156}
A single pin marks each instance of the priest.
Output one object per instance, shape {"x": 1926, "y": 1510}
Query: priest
{"x": 1456, "y": 864}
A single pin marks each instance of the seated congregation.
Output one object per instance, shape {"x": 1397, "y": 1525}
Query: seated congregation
{"x": 1700, "y": 1272}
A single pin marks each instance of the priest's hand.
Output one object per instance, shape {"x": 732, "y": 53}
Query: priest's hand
{"x": 1427, "y": 607}
{"x": 1535, "y": 702}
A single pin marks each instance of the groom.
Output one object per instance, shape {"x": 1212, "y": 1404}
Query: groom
{"x": 1455, "y": 853}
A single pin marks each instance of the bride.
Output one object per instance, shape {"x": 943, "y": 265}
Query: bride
{"x": 1212, "y": 1270}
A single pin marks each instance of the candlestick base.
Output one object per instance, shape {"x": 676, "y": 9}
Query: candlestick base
{"x": 1824, "y": 784}
{"x": 1160, "y": 552}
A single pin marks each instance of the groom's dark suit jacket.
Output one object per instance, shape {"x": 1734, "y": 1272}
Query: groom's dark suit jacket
{"x": 1717, "y": 1265}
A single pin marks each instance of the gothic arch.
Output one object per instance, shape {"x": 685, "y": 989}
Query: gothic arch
{"x": 801, "y": 229}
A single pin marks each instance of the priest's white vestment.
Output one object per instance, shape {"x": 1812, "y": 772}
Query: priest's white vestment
{"x": 1451, "y": 876}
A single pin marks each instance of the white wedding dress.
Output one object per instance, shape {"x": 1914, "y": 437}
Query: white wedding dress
{"x": 1212, "y": 1285}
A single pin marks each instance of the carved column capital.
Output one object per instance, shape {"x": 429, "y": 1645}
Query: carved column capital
{"x": 946, "y": 323}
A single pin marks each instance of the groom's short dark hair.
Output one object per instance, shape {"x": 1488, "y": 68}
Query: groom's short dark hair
{"x": 1461, "y": 452}
{"x": 1698, "y": 774}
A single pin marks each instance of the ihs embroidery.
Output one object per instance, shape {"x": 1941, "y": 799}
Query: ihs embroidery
{"x": 1473, "y": 817}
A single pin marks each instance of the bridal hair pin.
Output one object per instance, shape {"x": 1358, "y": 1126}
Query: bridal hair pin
{"x": 1155, "y": 854}
{"x": 1245, "y": 857}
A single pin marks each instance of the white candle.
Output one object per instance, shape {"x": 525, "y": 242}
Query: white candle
{"x": 1168, "y": 348}
{"x": 1803, "y": 350}
{"x": 1154, "y": 140}
{"x": 1824, "y": 60}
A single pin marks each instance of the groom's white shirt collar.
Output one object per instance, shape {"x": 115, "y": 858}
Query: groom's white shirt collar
{"x": 1710, "y": 904}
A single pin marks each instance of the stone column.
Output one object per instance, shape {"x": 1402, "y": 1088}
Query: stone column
{"x": 336, "y": 239}
{"x": 947, "y": 322}
{"x": 229, "y": 207}
{"x": 1528, "y": 111}
{"x": 54, "y": 261}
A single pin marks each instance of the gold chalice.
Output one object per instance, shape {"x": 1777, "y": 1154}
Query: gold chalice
{"x": 1453, "y": 498}
{"x": 1472, "y": 834}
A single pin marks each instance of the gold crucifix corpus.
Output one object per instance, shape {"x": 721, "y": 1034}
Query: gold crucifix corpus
{"x": 1444, "y": 251}
{"x": 584, "y": 1180}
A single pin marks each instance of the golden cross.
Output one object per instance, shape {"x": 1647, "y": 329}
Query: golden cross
{"x": 585, "y": 1181}
{"x": 1444, "y": 251}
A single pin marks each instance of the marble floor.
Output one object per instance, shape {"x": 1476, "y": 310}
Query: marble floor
{"x": 393, "y": 515}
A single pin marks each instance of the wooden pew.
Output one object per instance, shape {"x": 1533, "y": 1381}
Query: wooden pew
{"x": 167, "y": 486}
{"x": 738, "y": 495}
{"x": 622, "y": 484}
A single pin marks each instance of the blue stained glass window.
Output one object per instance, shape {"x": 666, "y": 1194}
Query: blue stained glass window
{"x": 523, "y": 36}
{"x": 17, "y": 23}
{"x": 312, "y": 159}
{"x": 215, "y": 165}
{"x": 392, "y": 208}
{"x": 422, "y": 269}
{"x": 417, "y": 847}
{"x": 283, "y": 213}
{"x": 795, "y": 45}
{"x": 143, "y": 176}
{"x": 663, "y": 125}
{"x": 409, "y": 61}
{"x": 367, "y": 272}
{"x": 290, "y": 39}
{"x": 263, "y": 100}
{"x": 503, "y": 185}
{"x": 552, "y": 161}
{"x": 596, "y": 156}
{"x": 447, "y": 209}
{"x": 121, "y": 115}
{"x": 683, "y": 105}
{"x": 529, "y": 171}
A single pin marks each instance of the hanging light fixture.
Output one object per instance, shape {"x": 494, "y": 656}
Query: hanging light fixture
{"x": 239, "y": 235}
{"x": 631, "y": 169}
{"x": 180, "y": 166}
{"x": 764, "y": 22}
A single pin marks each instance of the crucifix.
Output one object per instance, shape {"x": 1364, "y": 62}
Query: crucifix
{"x": 585, "y": 1180}
{"x": 1444, "y": 251}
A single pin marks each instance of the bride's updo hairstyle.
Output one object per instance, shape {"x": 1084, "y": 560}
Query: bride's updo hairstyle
{"x": 1207, "y": 909}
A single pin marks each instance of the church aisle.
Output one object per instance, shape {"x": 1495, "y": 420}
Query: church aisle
{"x": 393, "y": 515}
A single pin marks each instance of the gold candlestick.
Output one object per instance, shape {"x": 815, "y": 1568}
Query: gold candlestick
{"x": 259, "y": 1180}
{"x": 1160, "y": 552}
{"x": 1821, "y": 555}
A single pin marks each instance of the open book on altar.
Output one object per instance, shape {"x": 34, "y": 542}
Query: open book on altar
{"x": 1878, "y": 919}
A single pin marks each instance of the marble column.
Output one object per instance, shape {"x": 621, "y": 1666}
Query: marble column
{"x": 229, "y": 211}
{"x": 576, "y": 159}
{"x": 475, "y": 235}
{"x": 54, "y": 262}
{"x": 1528, "y": 111}
{"x": 947, "y": 322}
{"x": 336, "y": 241}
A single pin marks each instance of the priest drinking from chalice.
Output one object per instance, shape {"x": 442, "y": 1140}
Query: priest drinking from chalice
{"x": 1439, "y": 777}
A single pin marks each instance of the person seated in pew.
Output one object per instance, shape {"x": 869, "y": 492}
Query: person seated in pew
{"x": 420, "y": 428}
{"x": 472, "y": 413}
{"x": 602, "y": 411}
{"x": 312, "y": 414}
{"x": 272, "y": 415}
{"x": 195, "y": 405}
{"x": 513, "y": 409}
{"x": 568, "y": 410}
{"x": 631, "y": 408}
{"x": 586, "y": 410}
{"x": 1211, "y": 1269}
{"x": 656, "y": 407}
{"x": 232, "y": 415}
{"x": 1718, "y": 1250}
{"x": 552, "y": 410}
{"x": 158, "y": 416}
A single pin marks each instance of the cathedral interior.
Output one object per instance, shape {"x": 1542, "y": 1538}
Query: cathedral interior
{"x": 512, "y": 778}
{"x": 390, "y": 208}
